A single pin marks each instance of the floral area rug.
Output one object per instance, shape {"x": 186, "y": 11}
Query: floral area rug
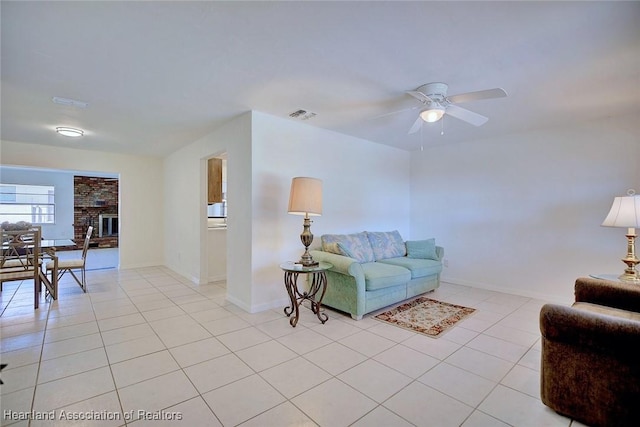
{"x": 426, "y": 316}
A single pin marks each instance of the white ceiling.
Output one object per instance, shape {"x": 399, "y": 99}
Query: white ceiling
{"x": 159, "y": 75}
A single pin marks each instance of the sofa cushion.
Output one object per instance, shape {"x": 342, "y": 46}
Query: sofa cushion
{"x": 418, "y": 267}
{"x": 386, "y": 244}
{"x": 422, "y": 249}
{"x": 355, "y": 246}
{"x": 379, "y": 275}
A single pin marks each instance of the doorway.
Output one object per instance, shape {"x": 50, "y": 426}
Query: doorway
{"x": 216, "y": 218}
{"x": 74, "y": 214}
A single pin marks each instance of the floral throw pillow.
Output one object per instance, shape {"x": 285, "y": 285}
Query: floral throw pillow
{"x": 353, "y": 245}
{"x": 388, "y": 244}
{"x": 334, "y": 248}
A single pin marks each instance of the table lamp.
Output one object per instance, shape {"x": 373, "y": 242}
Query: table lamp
{"x": 306, "y": 199}
{"x": 625, "y": 213}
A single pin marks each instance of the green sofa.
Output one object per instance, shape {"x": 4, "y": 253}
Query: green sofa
{"x": 372, "y": 270}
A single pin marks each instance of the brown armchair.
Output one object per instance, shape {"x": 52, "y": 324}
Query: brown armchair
{"x": 590, "y": 368}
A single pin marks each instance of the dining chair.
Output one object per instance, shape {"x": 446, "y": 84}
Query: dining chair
{"x": 69, "y": 265}
{"x": 21, "y": 259}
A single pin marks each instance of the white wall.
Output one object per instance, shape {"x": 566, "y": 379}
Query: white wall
{"x": 519, "y": 213}
{"x": 365, "y": 187}
{"x": 522, "y": 213}
{"x": 186, "y": 250}
{"x": 217, "y": 254}
{"x": 141, "y": 192}
{"x": 63, "y": 184}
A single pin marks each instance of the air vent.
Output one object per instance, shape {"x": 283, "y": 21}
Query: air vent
{"x": 69, "y": 102}
{"x": 302, "y": 115}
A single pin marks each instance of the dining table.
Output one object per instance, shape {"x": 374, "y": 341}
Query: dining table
{"x": 54, "y": 244}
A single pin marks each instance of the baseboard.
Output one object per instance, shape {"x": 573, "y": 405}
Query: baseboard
{"x": 282, "y": 303}
{"x": 217, "y": 278}
{"x": 260, "y": 307}
{"x": 126, "y": 266}
{"x": 235, "y": 301}
{"x": 512, "y": 291}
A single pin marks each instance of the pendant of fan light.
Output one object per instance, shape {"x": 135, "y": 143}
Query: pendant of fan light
{"x": 433, "y": 113}
{"x": 434, "y": 97}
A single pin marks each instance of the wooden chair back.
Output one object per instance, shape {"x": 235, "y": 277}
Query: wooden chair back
{"x": 20, "y": 257}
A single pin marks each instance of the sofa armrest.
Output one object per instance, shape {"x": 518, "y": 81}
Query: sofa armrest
{"x": 341, "y": 264}
{"x": 440, "y": 252}
{"x": 347, "y": 282}
{"x": 601, "y": 333}
{"x": 612, "y": 294}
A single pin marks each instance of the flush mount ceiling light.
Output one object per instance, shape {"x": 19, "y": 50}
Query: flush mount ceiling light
{"x": 433, "y": 113}
{"x": 71, "y": 132}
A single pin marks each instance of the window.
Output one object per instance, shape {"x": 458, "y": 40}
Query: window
{"x": 30, "y": 203}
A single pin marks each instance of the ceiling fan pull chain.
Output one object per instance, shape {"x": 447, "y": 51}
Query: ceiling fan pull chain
{"x": 442, "y": 126}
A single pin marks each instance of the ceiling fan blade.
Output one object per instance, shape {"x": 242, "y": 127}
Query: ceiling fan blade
{"x": 474, "y": 96}
{"x": 466, "y": 115}
{"x": 419, "y": 96}
{"x": 416, "y": 126}
{"x": 395, "y": 112}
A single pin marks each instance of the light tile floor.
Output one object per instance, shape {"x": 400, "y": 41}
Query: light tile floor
{"x": 146, "y": 343}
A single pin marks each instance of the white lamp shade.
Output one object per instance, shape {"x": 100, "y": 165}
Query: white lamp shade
{"x": 306, "y": 196}
{"x": 625, "y": 213}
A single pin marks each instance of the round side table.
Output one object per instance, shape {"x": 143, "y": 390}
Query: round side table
{"x": 316, "y": 291}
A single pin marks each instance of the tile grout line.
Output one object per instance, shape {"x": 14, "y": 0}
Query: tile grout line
{"x": 104, "y": 348}
{"x": 44, "y": 336}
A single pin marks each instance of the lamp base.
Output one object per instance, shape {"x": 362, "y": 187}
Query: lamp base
{"x": 630, "y": 278}
{"x": 630, "y": 274}
{"x": 308, "y": 264}
{"x": 307, "y": 238}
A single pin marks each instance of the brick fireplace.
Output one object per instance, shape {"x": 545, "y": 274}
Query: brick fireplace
{"x": 95, "y": 200}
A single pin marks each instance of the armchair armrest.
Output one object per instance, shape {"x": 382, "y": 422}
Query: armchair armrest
{"x": 612, "y": 294}
{"x": 601, "y": 333}
{"x": 440, "y": 252}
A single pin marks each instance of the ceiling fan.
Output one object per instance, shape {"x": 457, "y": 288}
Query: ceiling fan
{"x": 436, "y": 103}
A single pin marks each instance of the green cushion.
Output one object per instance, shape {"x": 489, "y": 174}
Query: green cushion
{"x": 422, "y": 249}
{"x": 418, "y": 267}
{"x": 380, "y": 275}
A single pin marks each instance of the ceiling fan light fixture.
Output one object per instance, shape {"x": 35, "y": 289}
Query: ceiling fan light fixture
{"x": 433, "y": 113}
{"x": 70, "y": 132}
